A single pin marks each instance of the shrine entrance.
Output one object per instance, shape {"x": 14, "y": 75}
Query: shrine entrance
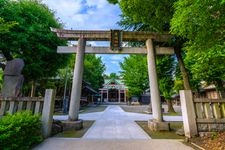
{"x": 113, "y": 95}
{"x": 116, "y": 38}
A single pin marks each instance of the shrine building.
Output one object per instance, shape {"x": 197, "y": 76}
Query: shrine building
{"x": 113, "y": 90}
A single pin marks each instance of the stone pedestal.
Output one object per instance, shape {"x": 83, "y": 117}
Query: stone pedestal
{"x": 154, "y": 125}
{"x": 72, "y": 125}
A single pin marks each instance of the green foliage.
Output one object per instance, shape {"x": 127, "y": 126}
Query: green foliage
{"x": 113, "y": 76}
{"x": 198, "y": 20}
{"x": 32, "y": 39}
{"x": 135, "y": 74}
{"x": 5, "y": 26}
{"x": 93, "y": 71}
{"x": 214, "y": 135}
{"x": 20, "y": 131}
{"x": 155, "y": 14}
{"x": 202, "y": 23}
{"x": 113, "y": 1}
{"x": 165, "y": 71}
{"x": 206, "y": 65}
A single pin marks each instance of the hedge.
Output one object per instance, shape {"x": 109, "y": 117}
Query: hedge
{"x": 20, "y": 131}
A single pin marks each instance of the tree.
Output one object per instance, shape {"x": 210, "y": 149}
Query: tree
{"x": 153, "y": 16}
{"x": 134, "y": 73}
{"x": 113, "y": 76}
{"x": 203, "y": 23}
{"x": 6, "y": 26}
{"x": 165, "y": 71}
{"x": 93, "y": 71}
{"x": 32, "y": 39}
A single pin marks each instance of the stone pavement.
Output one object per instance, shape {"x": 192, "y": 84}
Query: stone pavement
{"x": 114, "y": 123}
{"x": 91, "y": 144}
{"x": 113, "y": 129}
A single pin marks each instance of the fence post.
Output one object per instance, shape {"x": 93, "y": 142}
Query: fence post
{"x": 47, "y": 112}
{"x": 2, "y": 108}
{"x": 188, "y": 113}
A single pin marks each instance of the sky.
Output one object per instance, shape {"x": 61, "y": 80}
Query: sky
{"x": 90, "y": 15}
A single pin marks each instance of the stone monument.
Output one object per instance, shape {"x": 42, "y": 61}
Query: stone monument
{"x": 13, "y": 79}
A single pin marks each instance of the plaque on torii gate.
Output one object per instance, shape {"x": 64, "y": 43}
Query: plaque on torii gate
{"x": 116, "y": 37}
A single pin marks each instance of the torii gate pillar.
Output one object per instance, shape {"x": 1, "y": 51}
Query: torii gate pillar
{"x": 157, "y": 122}
{"x": 153, "y": 81}
{"x": 77, "y": 81}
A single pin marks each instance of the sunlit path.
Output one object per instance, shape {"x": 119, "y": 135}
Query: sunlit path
{"x": 114, "y": 123}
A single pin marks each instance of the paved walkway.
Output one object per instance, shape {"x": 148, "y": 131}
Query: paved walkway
{"x": 113, "y": 129}
{"x": 114, "y": 123}
{"x": 87, "y": 144}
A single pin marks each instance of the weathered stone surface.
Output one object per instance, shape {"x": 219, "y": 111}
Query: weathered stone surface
{"x": 221, "y": 127}
{"x": 202, "y": 127}
{"x": 188, "y": 113}
{"x": 48, "y": 108}
{"x": 180, "y": 132}
{"x": 206, "y": 134}
{"x": 72, "y": 125}
{"x": 57, "y": 127}
{"x": 13, "y": 80}
{"x": 12, "y": 85}
{"x": 153, "y": 84}
{"x": 77, "y": 81}
{"x": 158, "y": 126}
{"x": 14, "y": 67}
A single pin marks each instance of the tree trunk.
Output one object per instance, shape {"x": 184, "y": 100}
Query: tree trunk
{"x": 33, "y": 88}
{"x": 170, "y": 106}
{"x": 182, "y": 69}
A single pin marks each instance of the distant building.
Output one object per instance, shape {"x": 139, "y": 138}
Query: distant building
{"x": 209, "y": 92}
{"x": 113, "y": 90}
{"x": 88, "y": 94}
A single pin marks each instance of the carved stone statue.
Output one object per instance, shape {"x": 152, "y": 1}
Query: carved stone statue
{"x": 13, "y": 79}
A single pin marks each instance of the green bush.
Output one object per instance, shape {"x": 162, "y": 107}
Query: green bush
{"x": 20, "y": 131}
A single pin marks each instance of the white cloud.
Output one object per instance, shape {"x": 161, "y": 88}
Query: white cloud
{"x": 115, "y": 62}
{"x": 64, "y": 8}
{"x": 98, "y": 3}
{"x": 117, "y": 57}
{"x": 90, "y": 15}
{"x": 86, "y": 14}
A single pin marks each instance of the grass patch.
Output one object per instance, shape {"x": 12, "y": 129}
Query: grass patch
{"x": 162, "y": 134}
{"x": 136, "y": 109}
{"x": 76, "y": 133}
{"x": 144, "y": 109}
{"x": 86, "y": 109}
{"x": 91, "y": 109}
{"x": 172, "y": 114}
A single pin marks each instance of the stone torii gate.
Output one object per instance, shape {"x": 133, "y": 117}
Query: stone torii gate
{"x": 116, "y": 37}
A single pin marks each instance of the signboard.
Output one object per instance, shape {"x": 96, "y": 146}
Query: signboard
{"x": 116, "y": 40}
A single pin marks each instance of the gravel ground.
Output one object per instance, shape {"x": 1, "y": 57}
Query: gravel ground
{"x": 215, "y": 141}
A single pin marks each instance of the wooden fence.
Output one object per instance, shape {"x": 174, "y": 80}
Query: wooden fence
{"x": 37, "y": 105}
{"x": 210, "y": 114}
{"x": 201, "y": 114}
{"x": 14, "y": 104}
